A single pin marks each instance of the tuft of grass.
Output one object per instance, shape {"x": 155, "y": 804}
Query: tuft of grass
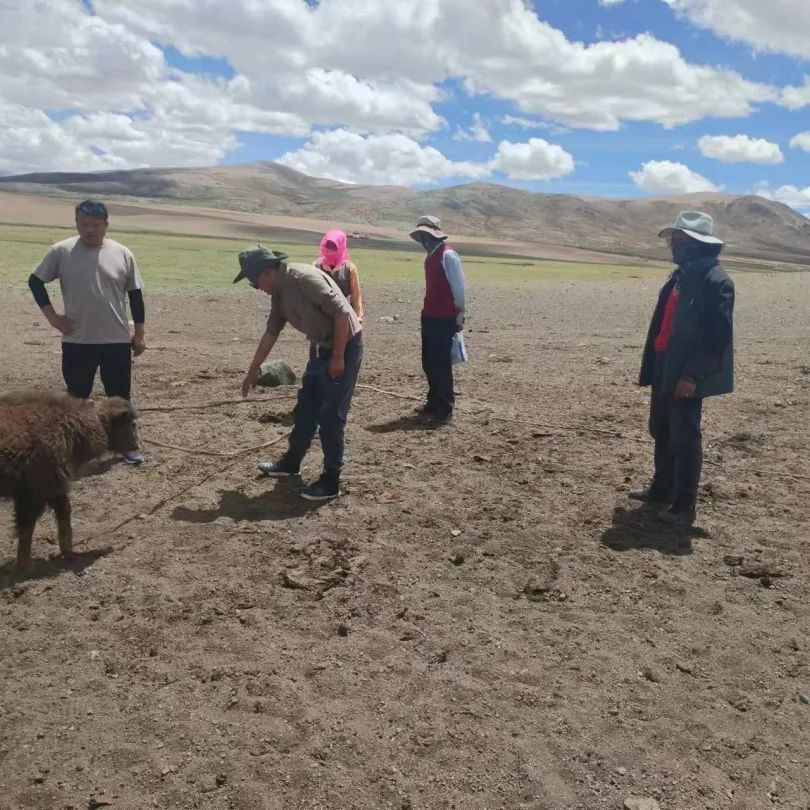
{"x": 180, "y": 262}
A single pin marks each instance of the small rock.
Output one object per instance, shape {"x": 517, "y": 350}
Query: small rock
{"x": 455, "y": 532}
{"x": 342, "y": 630}
{"x": 641, "y": 804}
{"x": 221, "y": 779}
{"x": 275, "y": 373}
{"x": 621, "y": 771}
{"x": 482, "y": 459}
{"x": 733, "y": 560}
{"x": 387, "y": 319}
{"x": 681, "y": 666}
{"x": 802, "y": 698}
{"x": 94, "y": 655}
{"x": 457, "y": 558}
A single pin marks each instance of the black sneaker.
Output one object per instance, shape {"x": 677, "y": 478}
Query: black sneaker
{"x": 441, "y": 418}
{"x": 424, "y": 410}
{"x": 283, "y": 468}
{"x": 324, "y": 489}
{"x": 679, "y": 517}
{"x": 649, "y": 495}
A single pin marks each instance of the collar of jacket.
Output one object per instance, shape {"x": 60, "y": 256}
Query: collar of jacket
{"x": 699, "y": 267}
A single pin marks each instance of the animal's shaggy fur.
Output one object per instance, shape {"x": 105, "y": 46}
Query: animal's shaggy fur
{"x": 44, "y": 440}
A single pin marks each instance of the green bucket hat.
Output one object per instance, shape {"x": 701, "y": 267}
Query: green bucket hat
{"x": 253, "y": 262}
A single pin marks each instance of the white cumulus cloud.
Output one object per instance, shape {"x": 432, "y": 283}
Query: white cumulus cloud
{"x": 780, "y": 26}
{"x": 393, "y": 158}
{"x": 477, "y": 132}
{"x": 801, "y": 141}
{"x": 797, "y": 96}
{"x": 535, "y": 160}
{"x": 795, "y": 197}
{"x": 740, "y": 149}
{"x": 504, "y": 49}
{"x": 666, "y": 177}
{"x": 371, "y": 67}
{"x": 396, "y": 159}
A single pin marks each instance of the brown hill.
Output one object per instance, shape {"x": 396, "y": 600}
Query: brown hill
{"x": 753, "y": 227}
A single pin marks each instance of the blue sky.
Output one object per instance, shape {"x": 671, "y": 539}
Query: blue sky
{"x": 593, "y": 97}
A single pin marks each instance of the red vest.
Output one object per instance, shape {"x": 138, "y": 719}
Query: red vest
{"x": 438, "y": 295}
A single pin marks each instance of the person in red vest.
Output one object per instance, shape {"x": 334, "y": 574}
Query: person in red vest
{"x": 442, "y": 316}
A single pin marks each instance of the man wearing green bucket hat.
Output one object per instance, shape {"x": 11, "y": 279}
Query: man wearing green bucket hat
{"x": 313, "y": 303}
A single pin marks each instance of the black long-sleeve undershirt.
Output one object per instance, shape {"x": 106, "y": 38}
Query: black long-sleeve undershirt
{"x": 37, "y": 287}
{"x": 137, "y": 306}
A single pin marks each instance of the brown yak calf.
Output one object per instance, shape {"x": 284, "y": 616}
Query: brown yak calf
{"x": 44, "y": 440}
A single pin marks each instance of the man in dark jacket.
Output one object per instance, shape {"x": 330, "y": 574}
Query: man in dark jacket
{"x": 688, "y": 356}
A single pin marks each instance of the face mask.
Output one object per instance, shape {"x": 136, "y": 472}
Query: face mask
{"x": 685, "y": 252}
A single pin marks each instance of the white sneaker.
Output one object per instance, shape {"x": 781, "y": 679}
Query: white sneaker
{"x": 133, "y": 458}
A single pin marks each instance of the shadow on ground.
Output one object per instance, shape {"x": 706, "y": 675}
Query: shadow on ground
{"x": 404, "y": 423}
{"x": 282, "y": 503}
{"x": 10, "y": 575}
{"x": 99, "y": 466}
{"x": 638, "y": 529}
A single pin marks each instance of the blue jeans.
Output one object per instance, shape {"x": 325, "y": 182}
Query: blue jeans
{"x": 324, "y": 403}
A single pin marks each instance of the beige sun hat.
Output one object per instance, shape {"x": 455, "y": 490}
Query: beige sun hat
{"x": 431, "y": 225}
{"x": 696, "y": 224}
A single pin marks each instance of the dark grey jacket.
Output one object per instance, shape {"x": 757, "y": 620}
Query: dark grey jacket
{"x": 701, "y": 346}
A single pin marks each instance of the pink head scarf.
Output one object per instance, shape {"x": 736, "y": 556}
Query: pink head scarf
{"x": 334, "y": 252}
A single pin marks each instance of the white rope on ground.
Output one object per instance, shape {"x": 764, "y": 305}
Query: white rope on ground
{"x": 180, "y": 492}
{"x": 217, "y": 404}
{"x": 489, "y": 414}
{"x": 196, "y": 452}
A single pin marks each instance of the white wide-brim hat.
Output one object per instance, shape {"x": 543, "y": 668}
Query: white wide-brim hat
{"x": 696, "y": 224}
{"x": 431, "y": 225}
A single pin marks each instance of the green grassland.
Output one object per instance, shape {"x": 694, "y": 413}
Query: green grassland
{"x": 180, "y": 262}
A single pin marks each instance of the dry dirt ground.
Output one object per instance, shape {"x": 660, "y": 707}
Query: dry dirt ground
{"x": 484, "y": 621}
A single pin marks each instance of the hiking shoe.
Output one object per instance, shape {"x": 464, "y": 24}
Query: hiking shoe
{"x": 324, "y": 489}
{"x": 679, "y": 517}
{"x": 133, "y": 457}
{"x": 441, "y": 418}
{"x": 424, "y": 410}
{"x": 283, "y": 468}
{"x": 649, "y": 495}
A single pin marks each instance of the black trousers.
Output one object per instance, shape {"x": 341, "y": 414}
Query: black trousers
{"x": 323, "y": 403}
{"x": 81, "y": 361}
{"x": 675, "y": 426}
{"x": 437, "y": 340}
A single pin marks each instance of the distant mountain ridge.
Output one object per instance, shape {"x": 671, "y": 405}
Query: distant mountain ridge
{"x": 752, "y": 226}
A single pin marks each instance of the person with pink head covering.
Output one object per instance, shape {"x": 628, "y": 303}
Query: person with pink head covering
{"x": 336, "y": 261}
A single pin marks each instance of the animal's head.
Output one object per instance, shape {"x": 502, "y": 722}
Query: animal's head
{"x": 120, "y": 423}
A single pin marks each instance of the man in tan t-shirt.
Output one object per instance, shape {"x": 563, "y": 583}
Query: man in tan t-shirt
{"x": 96, "y": 275}
{"x": 311, "y": 301}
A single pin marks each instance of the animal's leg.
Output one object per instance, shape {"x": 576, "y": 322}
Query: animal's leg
{"x": 61, "y": 508}
{"x": 27, "y": 509}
